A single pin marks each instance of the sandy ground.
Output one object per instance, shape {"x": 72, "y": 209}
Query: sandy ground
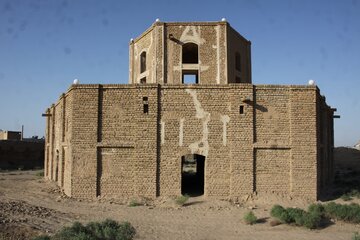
{"x": 29, "y": 205}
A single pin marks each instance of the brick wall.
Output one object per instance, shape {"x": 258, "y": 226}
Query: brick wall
{"x": 58, "y": 160}
{"x": 303, "y": 137}
{"x": 272, "y": 171}
{"x": 21, "y": 154}
{"x": 128, "y": 140}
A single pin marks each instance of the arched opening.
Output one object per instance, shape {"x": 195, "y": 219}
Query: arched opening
{"x": 190, "y": 53}
{"x": 192, "y": 174}
{"x": 142, "y": 62}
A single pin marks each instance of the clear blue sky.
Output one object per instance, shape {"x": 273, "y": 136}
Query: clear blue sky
{"x": 45, "y": 44}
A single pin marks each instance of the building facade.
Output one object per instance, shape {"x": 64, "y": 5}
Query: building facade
{"x": 10, "y": 135}
{"x": 190, "y": 121}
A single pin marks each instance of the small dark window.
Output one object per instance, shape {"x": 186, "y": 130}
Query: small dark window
{"x": 143, "y": 80}
{"x": 146, "y": 108}
{"x": 241, "y": 110}
{"x": 145, "y": 105}
{"x": 237, "y": 61}
{"x": 190, "y": 53}
{"x": 142, "y": 62}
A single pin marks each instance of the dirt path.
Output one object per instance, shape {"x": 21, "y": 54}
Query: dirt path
{"x": 29, "y": 206}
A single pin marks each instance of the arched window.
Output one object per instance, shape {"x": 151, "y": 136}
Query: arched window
{"x": 190, "y": 53}
{"x": 142, "y": 62}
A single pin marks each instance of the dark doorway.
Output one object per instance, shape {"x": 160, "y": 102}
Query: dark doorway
{"x": 192, "y": 175}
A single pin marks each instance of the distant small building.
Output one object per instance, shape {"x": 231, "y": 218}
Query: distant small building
{"x": 10, "y": 135}
{"x": 17, "y": 152}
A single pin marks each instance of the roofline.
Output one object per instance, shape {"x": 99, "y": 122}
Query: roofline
{"x": 197, "y": 23}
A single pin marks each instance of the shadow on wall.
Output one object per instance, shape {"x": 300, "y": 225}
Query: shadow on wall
{"x": 21, "y": 155}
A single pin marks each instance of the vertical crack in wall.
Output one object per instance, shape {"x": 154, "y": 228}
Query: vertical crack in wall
{"x": 201, "y": 147}
{"x": 181, "y": 131}
{"x": 217, "y": 29}
{"x": 225, "y": 119}
{"x": 162, "y": 137}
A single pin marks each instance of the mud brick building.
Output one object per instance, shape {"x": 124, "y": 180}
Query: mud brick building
{"x": 10, "y": 135}
{"x": 190, "y": 104}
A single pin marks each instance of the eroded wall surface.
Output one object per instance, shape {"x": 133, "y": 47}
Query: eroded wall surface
{"x": 163, "y": 44}
{"x": 128, "y": 140}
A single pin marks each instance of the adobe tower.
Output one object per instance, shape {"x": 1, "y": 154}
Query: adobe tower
{"x": 190, "y": 121}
